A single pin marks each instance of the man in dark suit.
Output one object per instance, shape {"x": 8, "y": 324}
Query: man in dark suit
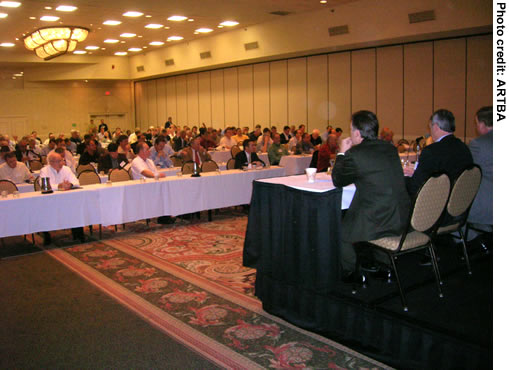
{"x": 381, "y": 204}
{"x": 447, "y": 153}
{"x": 180, "y": 142}
{"x": 112, "y": 159}
{"x": 481, "y": 148}
{"x": 285, "y": 135}
{"x": 248, "y": 155}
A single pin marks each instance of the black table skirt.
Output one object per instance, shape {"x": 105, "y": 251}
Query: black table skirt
{"x": 293, "y": 241}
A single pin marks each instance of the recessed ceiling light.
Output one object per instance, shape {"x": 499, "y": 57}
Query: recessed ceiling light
{"x": 103, "y": 48}
{"x": 111, "y": 23}
{"x": 92, "y": 47}
{"x": 177, "y": 18}
{"x": 127, "y": 34}
{"x": 204, "y": 30}
{"x": 49, "y": 18}
{"x": 18, "y": 74}
{"x": 7, "y": 44}
{"x": 48, "y": 7}
{"x": 122, "y": 42}
{"x": 144, "y": 47}
{"x": 229, "y": 23}
{"x": 156, "y": 43}
{"x": 132, "y": 14}
{"x": 323, "y": 1}
{"x": 175, "y": 38}
{"x": 66, "y": 8}
{"x": 79, "y": 52}
{"x": 3, "y": 15}
{"x": 121, "y": 53}
{"x": 190, "y": 20}
{"x": 10, "y": 4}
{"x": 220, "y": 26}
{"x": 111, "y": 41}
{"x": 153, "y": 26}
{"x": 32, "y": 18}
{"x": 134, "y": 49}
{"x": 13, "y": 77}
{"x": 166, "y": 28}
{"x": 148, "y": 16}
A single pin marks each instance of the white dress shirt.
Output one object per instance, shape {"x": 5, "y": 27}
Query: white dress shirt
{"x": 227, "y": 142}
{"x": 56, "y": 178}
{"x": 138, "y": 165}
{"x": 17, "y": 175}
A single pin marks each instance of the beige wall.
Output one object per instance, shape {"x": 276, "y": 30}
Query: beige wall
{"x": 53, "y": 107}
{"x": 403, "y": 84}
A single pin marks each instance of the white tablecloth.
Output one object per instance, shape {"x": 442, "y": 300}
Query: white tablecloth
{"x": 323, "y": 183}
{"x": 295, "y": 164}
{"x": 128, "y": 201}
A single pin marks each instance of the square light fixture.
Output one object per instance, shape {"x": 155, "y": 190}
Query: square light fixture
{"x": 154, "y": 26}
{"x": 177, "y": 18}
{"x": 112, "y": 23}
{"x": 127, "y": 34}
{"x": 132, "y": 14}
{"x": 10, "y": 4}
{"x": 49, "y": 18}
{"x": 66, "y": 8}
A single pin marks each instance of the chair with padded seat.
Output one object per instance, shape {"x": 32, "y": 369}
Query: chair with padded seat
{"x": 187, "y": 168}
{"x": 209, "y": 166}
{"x": 35, "y": 165}
{"x": 235, "y": 150}
{"x": 88, "y": 177}
{"x": 177, "y": 161}
{"x": 84, "y": 167}
{"x": 37, "y": 184}
{"x": 428, "y": 206}
{"x": 462, "y": 196}
{"x": 230, "y": 165}
{"x": 119, "y": 174}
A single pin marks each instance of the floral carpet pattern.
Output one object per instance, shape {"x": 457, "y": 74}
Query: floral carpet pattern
{"x": 190, "y": 280}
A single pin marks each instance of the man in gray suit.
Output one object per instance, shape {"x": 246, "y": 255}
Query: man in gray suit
{"x": 481, "y": 148}
{"x": 381, "y": 204}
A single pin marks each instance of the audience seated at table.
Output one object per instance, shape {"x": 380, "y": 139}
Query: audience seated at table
{"x": 227, "y": 141}
{"x": 69, "y": 159}
{"x": 316, "y": 140}
{"x": 142, "y": 165}
{"x": 195, "y": 152}
{"x": 305, "y": 146}
{"x": 75, "y": 137}
{"x": 180, "y": 142}
{"x": 60, "y": 178}
{"x": 277, "y": 150}
{"x": 34, "y": 150}
{"x": 4, "y": 149}
{"x": 52, "y": 144}
{"x": 91, "y": 154}
{"x": 125, "y": 148}
{"x": 207, "y": 142}
{"x": 326, "y": 134}
{"x": 386, "y": 135}
{"x": 141, "y": 139}
{"x": 447, "y": 153}
{"x": 160, "y": 153}
{"x": 239, "y": 137}
{"x": 248, "y": 155}
{"x": 112, "y": 159}
{"x": 327, "y": 153}
{"x": 295, "y": 139}
{"x": 256, "y": 133}
{"x": 133, "y": 138}
{"x": 22, "y": 151}
{"x": 264, "y": 141}
{"x": 285, "y": 135}
{"x": 13, "y": 170}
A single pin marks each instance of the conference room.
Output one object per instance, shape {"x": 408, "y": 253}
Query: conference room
{"x": 201, "y": 291}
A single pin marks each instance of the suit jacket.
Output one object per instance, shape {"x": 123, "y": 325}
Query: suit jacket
{"x": 187, "y": 155}
{"x": 179, "y": 144}
{"x": 241, "y": 159}
{"x": 106, "y": 165}
{"x": 482, "y": 153}
{"x": 449, "y": 155}
{"x": 380, "y": 206}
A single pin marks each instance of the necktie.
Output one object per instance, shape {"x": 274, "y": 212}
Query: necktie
{"x": 197, "y": 158}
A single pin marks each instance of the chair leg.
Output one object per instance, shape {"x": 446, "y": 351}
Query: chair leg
{"x": 434, "y": 263}
{"x": 116, "y": 229}
{"x": 210, "y": 215}
{"x": 33, "y": 239}
{"x": 465, "y": 253}
{"x": 91, "y": 228}
{"x": 100, "y": 231}
{"x": 402, "y": 295}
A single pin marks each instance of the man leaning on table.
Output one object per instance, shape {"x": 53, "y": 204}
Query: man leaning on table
{"x": 381, "y": 204}
{"x": 142, "y": 165}
{"x": 248, "y": 155}
{"x": 112, "y": 159}
{"x": 13, "y": 170}
{"x": 60, "y": 178}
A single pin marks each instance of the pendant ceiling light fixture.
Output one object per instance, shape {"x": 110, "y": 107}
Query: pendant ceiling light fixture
{"x": 51, "y": 42}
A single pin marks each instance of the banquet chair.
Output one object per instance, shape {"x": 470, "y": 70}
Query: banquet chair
{"x": 235, "y": 150}
{"x": 84, "y": 167}
{"x": 88, "y": 177}
{"x": 187, "y": 168}
{"x": 209, "y": 166}
{"x": 37, "y": 184}
{"x": 230, "y": 165}
{"x": 119, "y": 174}
{"x": 35, "y": 165}
{"x": 177, "y": 161}
{"x": 10, "y": 187}
{"x": 429, "y": 204}
{"x": 403, "y": 145}
{"x": 462, "y": 196}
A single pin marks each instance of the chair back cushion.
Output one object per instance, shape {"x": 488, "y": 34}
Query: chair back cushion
{"x": 35, "y": 165}
{"x": 37, "y": 184}
{"x": 464, "y": 191}
{"x": 84, "y": 167}
{"x": 8, "y": 186}
{"x": 177, "y": 161}
{"x": 235, "y": 150}
{"x": 187, "y": 168}
{"x": 88, "y": 178}
{"x": 119, "y": 174}
{"x": 230, "y": 165}
{"x": 209, "y": 166}
{"x": 430, "y": 202}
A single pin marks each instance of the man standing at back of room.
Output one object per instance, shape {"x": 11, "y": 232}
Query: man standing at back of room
{"x": 381, "y": 204}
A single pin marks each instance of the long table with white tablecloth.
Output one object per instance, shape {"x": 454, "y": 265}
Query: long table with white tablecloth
{"x": 117, "y": 203}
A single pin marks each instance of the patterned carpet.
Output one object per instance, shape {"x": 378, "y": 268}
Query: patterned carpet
{"x": 188, "y": 280}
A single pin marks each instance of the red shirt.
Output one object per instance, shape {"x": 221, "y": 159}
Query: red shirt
{"x": 324, "y": 156}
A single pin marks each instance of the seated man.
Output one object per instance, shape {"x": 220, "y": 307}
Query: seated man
{"x": 4, "y": 149}
{"x": 285, "y": 135}
{"x": 14, "y": 171}
{"x": 141, "y": 139}
{"x": 70, "y": 145}
{"x": 69, "y": 159}
{"x": 326, "y": 153}
{"x": 276, "y": 150}
{"x": 90, "y": 155}
{"x": 160, "y": 153}
{"x": 294, "y": 141}
{"x": 305, "y": 146}
{"x": 195, "y": 152}
{"x": 380, "y": 205}
{"x": 125, "y": 148}
{"x": 227, "y": 141}
{"x": 264, "y": 141}
{"x": 34, "y": 151}
{"x": 52, "y": 144}
{"x": 112, "y": 159}
{"x": 142, "y": 165}
{"x": 60, "y": 178}
{"x": 180, "y": 142}
{"x": 316, "y": 139}
{"x": 240, "y": 137}
{"x": 248, "y": 155}
{"x": 207, "y": 142}
{"x": 447, "y": 153}
{"x": 386, "y": 135}
{"x": 22, "y": 153}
